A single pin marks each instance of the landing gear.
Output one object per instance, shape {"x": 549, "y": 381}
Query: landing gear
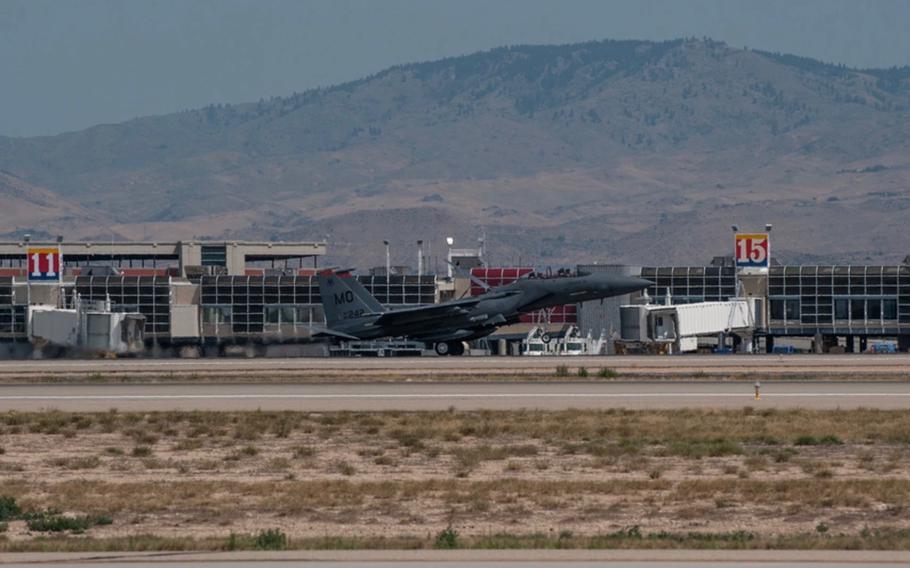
{"x": 449, "y": 348}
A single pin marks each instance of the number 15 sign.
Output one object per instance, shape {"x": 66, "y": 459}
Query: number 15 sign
{"x": 753, "y": 250}
{"x": 44, "y": 264}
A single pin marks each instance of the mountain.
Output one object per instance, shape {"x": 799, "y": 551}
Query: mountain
{"x": 613, "y": 151}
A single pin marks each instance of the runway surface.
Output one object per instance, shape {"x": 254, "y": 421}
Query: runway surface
{"x": 619, "y": 564}
{"x": 460, "y": 395}
{"x": 710, "y": 365}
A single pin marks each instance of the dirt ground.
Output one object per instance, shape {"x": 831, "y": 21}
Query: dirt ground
{"x": 198, "y": 474}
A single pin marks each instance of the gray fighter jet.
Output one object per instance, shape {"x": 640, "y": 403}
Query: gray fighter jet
{"x": 352, "y": 313}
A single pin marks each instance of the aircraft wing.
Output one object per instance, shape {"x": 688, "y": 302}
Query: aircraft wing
{"x": 436, "y": 311}
{"x": 320, "y": 331}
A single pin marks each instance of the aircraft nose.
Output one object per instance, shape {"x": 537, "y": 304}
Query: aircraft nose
{"x": 629, "y": 284}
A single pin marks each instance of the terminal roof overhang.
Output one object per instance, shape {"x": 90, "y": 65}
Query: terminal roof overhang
{"x": 169, "y": 250}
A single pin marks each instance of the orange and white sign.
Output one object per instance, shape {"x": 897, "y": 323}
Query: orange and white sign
{"x": 753, "y": 250}
{"x": 44, "y": 264}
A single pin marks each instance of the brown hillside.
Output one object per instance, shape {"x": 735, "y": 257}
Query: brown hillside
{"x": 613, "y": 151}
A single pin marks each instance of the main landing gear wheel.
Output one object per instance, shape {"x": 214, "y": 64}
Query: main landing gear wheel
{"x": 449, "y": 348}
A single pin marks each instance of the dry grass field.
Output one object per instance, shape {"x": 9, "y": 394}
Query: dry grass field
{"x": 689, "y": 478}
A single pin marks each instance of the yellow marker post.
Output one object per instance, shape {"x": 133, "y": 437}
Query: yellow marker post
{"x": 757, "y": 390}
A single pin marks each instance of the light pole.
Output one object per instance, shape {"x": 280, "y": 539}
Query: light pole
{"x": 450, "y": 241}
{"x": 419, "y": 258}
{"x": 27, "y": 238}
{"x": 388, "y": 261}
{"x": 735, "y": 229}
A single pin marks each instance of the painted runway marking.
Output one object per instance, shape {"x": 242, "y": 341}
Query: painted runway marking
{"x": 442, "y": 396}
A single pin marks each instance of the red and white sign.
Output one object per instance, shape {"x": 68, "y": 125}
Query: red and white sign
{"x": 44, "y": 264}
{"x": 753, "y": 250}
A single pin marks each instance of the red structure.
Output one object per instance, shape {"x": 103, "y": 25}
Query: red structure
{"x": 500, "y": 276}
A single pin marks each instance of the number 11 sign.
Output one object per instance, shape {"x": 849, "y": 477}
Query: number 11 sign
{"x": 753, "y": 250}
{"x": 44, "y": 264}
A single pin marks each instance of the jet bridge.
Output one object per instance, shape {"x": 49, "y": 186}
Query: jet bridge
{"x": 677, "y": 328}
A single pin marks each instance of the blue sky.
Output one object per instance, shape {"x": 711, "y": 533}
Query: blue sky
{"x": 67, "y": 65}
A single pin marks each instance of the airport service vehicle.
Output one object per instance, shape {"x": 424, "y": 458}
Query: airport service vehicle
{"x": 569, "y": 341}
{"x": 353, "y": 314}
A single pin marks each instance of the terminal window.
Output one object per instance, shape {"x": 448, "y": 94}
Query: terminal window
{"x": 857, "y": 309}
{"x": 785, "y": 309}
{"x": 842, "y": 309}
{"x": 889, "y": 309}
{"x": 216, "y": 314}
{"x": 874, "y": 309}
{"x": 280, "y": 314}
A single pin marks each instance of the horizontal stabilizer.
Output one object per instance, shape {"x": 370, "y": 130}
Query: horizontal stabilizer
{"x": 319, "y": 331}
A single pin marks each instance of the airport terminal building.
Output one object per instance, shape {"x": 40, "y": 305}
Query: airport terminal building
{"x": 208, "y": 294}
{"x": 829, "y": 303}
{"x": 259, "y": 293}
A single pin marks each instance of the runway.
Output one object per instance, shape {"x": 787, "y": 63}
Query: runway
{"x": 881, "y": 366}
{"x": 494, "y": 564}
{"x": 406, "y": 396}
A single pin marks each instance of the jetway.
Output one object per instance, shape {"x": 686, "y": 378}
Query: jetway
{"x": 86, "y": 327}
{"x": 677, "y": 328}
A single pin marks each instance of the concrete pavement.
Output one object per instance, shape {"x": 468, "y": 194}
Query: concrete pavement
{"x": 460, "y": 395}
{"x": 884, "y": 366}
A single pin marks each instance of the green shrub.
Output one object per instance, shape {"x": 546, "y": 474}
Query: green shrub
{"x": 783, "y": 455}
{"x": 141, "y": 452}
{"x": 9, "y": 509}
{"x": 447, "y": 539}
{"x": 272, "y": 539}
{"x": 562, "y": 371}
{"x": 633, "y": 532}
{"x": 828, "y": 440}
{"x": 58, "y": 523}
{"x": 232, "y": 542}
{"x": 607, "y": 373}
{"x": 582, "y": 372}
{"x": 344, "y": 468}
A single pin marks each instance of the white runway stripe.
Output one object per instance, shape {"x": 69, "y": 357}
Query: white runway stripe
{"x": 445, "y": 396}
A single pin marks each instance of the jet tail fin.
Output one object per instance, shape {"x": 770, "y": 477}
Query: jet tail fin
{"x": 340, "y": 302}
{"x": 371, "y": 303}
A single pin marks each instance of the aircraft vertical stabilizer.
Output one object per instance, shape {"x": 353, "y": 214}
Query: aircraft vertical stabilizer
{"x": 339, "y": 301}
{"x": 371, "y": 303}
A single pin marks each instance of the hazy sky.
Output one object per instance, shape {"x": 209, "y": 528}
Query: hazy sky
{"x": 66, "y": 65}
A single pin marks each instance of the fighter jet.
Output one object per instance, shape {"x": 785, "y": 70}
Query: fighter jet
{"x": 352, "y": 313}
